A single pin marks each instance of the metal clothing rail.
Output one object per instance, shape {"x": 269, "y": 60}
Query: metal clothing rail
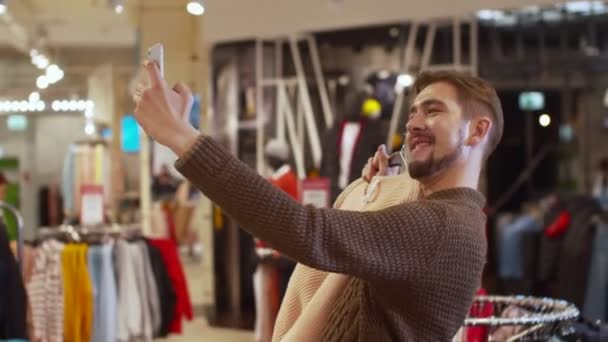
{"x": 545, "y": 316}
{"x": 20, "y": 226}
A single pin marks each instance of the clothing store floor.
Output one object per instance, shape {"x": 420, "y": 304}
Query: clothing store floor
{"x": 198, "y": 330}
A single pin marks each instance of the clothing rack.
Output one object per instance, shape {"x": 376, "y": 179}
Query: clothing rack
{"x": 545, "y": 317}
{"x": 77, "y": 232}
{"x": 20, "y": 227}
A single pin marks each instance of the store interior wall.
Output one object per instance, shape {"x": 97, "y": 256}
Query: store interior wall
{"x": 41, "y": 149}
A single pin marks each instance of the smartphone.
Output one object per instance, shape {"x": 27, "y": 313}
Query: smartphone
{"x": 156, "y": 54}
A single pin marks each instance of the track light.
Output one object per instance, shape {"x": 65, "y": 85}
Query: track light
{"x": 42, "y": 82}
{"x": 196, "y": 7}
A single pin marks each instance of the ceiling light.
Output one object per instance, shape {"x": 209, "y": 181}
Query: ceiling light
{"x": 118, "y": 9}
{"x": 34, "y": 97}
{"x": 343, "y": 80}
{"x": 13, "y": 106}
{"x": 544, "y": 120}
{"x": 42, "y": 82}
{"x": 54, "y": 73}
{"x": 2, "y": 7}
{"x": 73, "y": 105}
{"x": 40, "y": 61}
{"x": 195, "y": 7}
{"x": 33, "y": 52}
{"x": 405, "y": 80}
{"x": 89, "y": 128}
{"x": 383, "y": 74}
{"x": 55, "y": 106}
{"x": 40, "y": 106}
{"x": 23, "y": 106}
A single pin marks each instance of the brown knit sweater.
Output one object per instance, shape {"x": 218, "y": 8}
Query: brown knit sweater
{"x": 415, "y": 267}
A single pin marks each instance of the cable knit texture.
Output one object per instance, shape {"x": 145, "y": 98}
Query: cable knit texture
{"x": 414, "y": 267}
{"x": 312, "y": 294}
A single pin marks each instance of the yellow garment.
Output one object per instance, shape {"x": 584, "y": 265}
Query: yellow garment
{"x": 99, "y": 156}
{"x": 78, "y": 294}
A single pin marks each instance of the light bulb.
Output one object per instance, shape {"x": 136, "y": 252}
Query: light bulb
{"x": 42, "y": 82}
{"x": 34, "y": 96}
{"x": 119, "y": 9}
{"x": 89, "y": 128}
{"x": 544, "y": 120}
{"x": 195, "y": 8}
{"x": 54, "y": 73}
{"x": 405, "y": 80}
{"x": 55, "y": 106}
{"x": 73, "y": 106}
{"x": 343, "y": 80}
{"x": 40, "y": 106}
{"x": 383, "y": 74}
{"x": 2, "y": 8}
{"x": 23, "y": 106}
{"x": 13, "y": 106}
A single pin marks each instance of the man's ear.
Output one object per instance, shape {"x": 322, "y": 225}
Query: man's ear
{"x": 479, "y": 130}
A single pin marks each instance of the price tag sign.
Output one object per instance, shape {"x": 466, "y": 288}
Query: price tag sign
{"x": 315, "y": 192}
{"x": 91, "y": 212}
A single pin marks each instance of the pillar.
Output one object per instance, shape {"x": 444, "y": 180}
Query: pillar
{"x": 186, "y": 59}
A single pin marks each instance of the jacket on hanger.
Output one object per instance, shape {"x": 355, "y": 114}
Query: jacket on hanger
{"x": 370, "y": 135}
{"x": 13, "y": 298}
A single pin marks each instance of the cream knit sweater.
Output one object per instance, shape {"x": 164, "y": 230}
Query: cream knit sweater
{"x": 311, "y": 294}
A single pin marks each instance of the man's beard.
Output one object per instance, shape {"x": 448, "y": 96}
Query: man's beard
{"x": 431, "y": 166}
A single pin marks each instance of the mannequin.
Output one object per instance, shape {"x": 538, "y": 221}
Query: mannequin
{"x": 348, "y": 145}
{"x": 273, "y": 270}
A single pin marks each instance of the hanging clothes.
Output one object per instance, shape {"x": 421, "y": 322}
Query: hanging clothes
{"x": 105, "y": 293}
{"x": 183, "y": 307}
{"x": 129, "y": 313}
{"x": 166, "y": 292}
{"x": 78, "y": 294}
{"x": 45, "y": 291}
{"x": 112, "y": 291}
{"x": 343, "y": 157}
{"x": 86, "y": 163}
{"x": 13, "y": 298}
{"x": 596, "y": 299}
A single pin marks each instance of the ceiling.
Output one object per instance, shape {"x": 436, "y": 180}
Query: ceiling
{"x": 81, "y": 34}
{"x": 94, "y": 23}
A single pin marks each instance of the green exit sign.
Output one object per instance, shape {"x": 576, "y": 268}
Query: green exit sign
{"x": 16, "y": 122}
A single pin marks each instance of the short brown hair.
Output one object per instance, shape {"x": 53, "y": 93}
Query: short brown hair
{"x": 474, "y": 94}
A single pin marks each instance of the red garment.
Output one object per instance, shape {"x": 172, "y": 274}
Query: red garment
{"x": 288, "y": 182}
{"x": 479, "y": 334}
{"x": 170, "y": 222}
{"x": 183, "y": 306}
{"x": 559, "y": 226}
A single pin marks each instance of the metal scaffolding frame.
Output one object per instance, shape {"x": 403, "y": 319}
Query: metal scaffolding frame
{"x": 286, "y": 123}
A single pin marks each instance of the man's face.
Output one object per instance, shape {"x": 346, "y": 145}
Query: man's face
{"x": 435, "y": 131}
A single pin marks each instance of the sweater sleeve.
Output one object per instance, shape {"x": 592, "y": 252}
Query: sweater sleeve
{"x": 392, "y": 244}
